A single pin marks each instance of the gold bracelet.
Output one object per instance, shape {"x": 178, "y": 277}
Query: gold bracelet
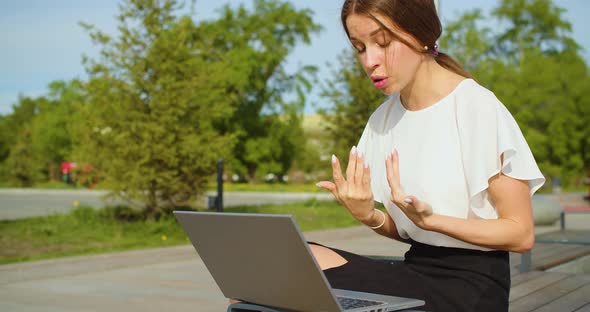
{"x": 382, "y": 223}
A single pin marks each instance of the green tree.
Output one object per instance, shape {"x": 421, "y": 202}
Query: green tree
{"x": 23, "y": 111}
{"x": 353, "y": 100}
{"x": 37, "y": 136}
{"x": 5, "y": 138}
{"x": 154, "y": 96}
{"x": 53, "y": 130}
{"x": 17, "y": 159}
{"x": 468, "y": 41}
{"x": 256, "y": 43}
{"x": 532, "y": 24}
{"x": 22, "y": 164}
{"x": 535, "y": 69}
{"x": 546, "y": 102}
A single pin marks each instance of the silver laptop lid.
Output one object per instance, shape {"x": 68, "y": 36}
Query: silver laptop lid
{"x": 291, "y": 278}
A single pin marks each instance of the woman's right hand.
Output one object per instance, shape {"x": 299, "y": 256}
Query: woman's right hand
{"x": 354, "y": 192}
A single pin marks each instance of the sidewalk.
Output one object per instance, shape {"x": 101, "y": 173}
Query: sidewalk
{"x": 172, "y": 279}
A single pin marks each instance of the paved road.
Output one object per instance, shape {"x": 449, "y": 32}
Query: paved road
{"x": 23, "y": 203}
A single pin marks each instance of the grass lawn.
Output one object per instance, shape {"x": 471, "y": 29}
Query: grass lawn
{"x": 268, "y": 187}
{"x": 90, "y": 231}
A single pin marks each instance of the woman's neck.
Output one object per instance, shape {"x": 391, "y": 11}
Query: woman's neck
{"x": 431, "y": 83}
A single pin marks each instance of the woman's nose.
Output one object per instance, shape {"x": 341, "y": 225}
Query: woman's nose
{"x": 372, "y": 59}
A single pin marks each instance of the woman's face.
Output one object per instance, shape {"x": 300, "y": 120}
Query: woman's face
{"x": 389, "y": 63}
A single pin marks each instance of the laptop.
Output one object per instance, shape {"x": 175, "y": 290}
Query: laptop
{"x": 263, "y": 259}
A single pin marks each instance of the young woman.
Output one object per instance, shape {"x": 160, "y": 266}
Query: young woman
{"x": 446, "y": 159}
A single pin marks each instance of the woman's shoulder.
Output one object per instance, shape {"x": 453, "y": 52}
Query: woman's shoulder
{"x": 475, "y": 98}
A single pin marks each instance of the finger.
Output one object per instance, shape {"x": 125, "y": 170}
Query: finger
{"x": 329, "y": 186}
{"x": 360, "y": 169}
{"x": 410, "y": 199}
{"x": 395, "y": 167}
{"x": 366, "y": 177}
{"x": 419, "y": 206}
{"x": 337, "y": 173}
{"x": 390, "y": 180}
{"x": 351, "y": 165}
{"x": 389, "y": 171}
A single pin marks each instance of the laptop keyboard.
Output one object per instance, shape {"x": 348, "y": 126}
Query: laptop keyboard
{"x": 352, "y": 303}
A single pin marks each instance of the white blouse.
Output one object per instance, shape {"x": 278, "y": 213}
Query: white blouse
{"x": 447, "y": 153}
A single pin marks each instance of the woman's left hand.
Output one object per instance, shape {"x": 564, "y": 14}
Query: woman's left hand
{"x": 418, "y": 211}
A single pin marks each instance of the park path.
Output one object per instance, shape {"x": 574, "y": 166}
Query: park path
{"x": 24, "y": 203}
{"x": 162, "y": 279}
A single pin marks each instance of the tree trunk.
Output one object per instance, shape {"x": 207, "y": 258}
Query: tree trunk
{"x": 152, "y": 210}
{"x": 252, "y": 173}
{"x": 52, "y": 173}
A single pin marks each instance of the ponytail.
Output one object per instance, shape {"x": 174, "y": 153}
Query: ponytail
{"x": 449, "y": 63}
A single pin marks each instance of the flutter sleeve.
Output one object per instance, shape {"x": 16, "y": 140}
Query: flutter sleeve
{"x": 487, "y": 130}
{"x": 372, "y": 144}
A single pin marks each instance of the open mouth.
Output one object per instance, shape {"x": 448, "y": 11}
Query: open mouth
{"x": 379, "y": 82}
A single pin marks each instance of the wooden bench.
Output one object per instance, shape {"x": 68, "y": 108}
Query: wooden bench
{"x": 539, "y": 290}
{"x": 549, "y": 291}
{"x": 555, "y": 248}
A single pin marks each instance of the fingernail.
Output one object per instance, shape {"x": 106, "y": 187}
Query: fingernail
{"x": 366, "y": 165}
{"x": 353, "y": 150}
{"x": 318, "y": 184}
{"x": 361, "y": 154}
{"x": 408, "y": 200}
{"x": 333, "y": 158}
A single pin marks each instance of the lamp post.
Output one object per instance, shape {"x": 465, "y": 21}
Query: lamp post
{"x": 219, "y": 199}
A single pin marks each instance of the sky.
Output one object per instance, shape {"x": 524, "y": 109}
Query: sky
{"x": 41, "y": 41}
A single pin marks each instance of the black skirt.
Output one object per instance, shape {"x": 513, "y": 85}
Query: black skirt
{"x": 447, "y": 279}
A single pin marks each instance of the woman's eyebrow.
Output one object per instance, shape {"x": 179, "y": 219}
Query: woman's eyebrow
{"x": 370, "y": 35}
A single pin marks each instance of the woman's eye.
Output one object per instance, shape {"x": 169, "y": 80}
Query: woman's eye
{"x": 359, "y": 50}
